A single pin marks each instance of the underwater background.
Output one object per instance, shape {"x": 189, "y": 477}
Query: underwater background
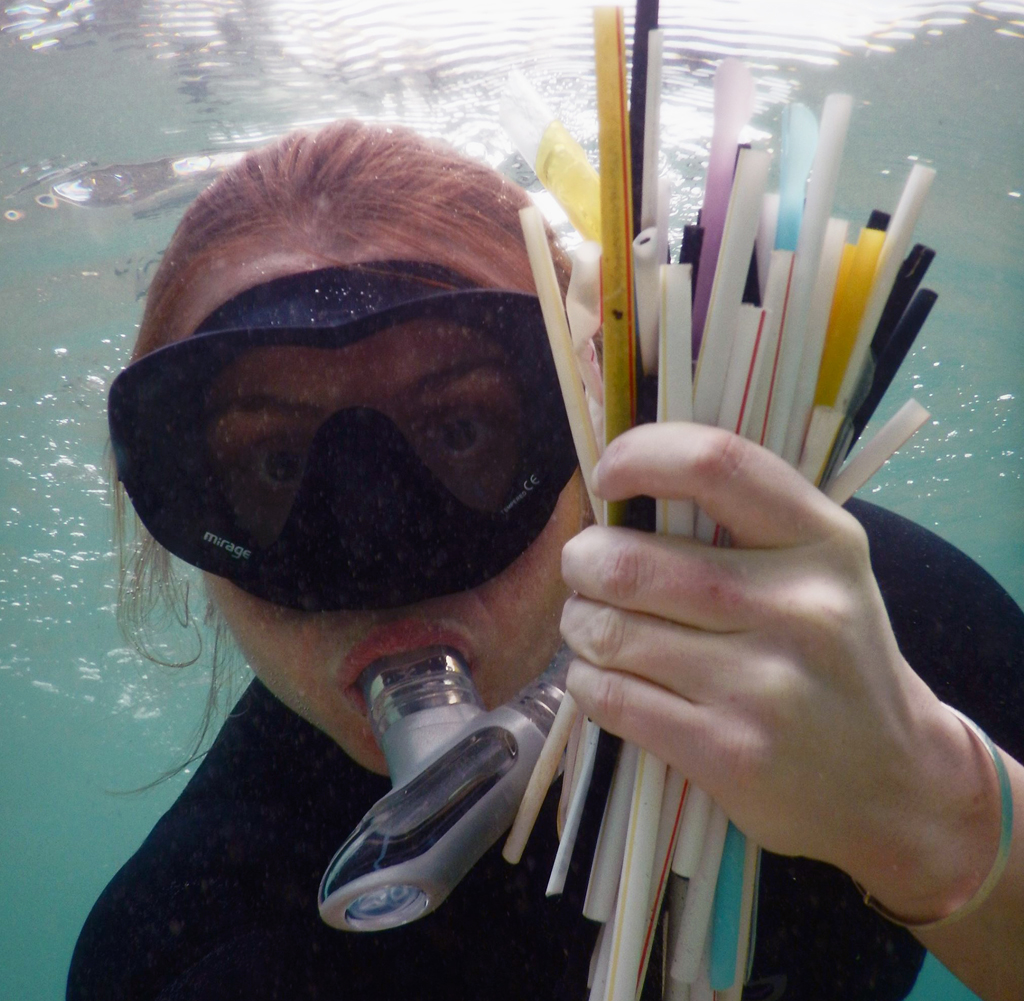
{"x": 115, "y": 113}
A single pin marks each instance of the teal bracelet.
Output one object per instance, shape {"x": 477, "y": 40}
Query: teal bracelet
{"x": 1002, "y": 854}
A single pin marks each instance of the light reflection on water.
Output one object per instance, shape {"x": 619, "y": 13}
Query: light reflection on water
{"x": 125, "y": 109}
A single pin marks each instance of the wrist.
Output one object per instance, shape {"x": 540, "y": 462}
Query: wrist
{"x": 953, "y": 839}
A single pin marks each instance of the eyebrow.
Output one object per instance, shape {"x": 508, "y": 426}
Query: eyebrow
{"x": 458, "y": 371}
{"x": 256, "y": 402}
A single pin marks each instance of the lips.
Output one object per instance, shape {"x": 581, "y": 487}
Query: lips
{"x": 391, "y": 638}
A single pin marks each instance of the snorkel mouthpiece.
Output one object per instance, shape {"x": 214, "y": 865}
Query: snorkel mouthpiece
{"x": 418, "y": 703}
{"x": 459, "y": 773}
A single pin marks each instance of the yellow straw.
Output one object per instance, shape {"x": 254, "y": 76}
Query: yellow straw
{"x": 564, "y": 170}
{"x": 619, "y": 355}
{"x": 848, "y": 309}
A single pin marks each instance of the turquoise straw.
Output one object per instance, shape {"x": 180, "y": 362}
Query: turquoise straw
{"x": 799, "y": 141}
{"x": 725, "y": 920}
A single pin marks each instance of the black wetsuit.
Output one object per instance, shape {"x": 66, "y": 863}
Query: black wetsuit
{"x": 220, "y": 900}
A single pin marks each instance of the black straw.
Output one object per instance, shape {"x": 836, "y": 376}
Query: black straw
{"x": 888, "y": 362}
{"x": 908, "y": 278}
{"x": 646, "y": 20}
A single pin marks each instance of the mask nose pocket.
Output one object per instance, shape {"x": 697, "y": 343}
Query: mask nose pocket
{"x": 370, "y": 514}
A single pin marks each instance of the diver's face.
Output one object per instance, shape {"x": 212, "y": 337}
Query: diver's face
{"x": 507, "y": 628}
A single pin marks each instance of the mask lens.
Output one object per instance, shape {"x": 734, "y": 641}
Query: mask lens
{"x": 448, "y": 390}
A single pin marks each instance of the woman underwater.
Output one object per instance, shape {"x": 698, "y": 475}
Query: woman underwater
{"x": 794, "y": 677}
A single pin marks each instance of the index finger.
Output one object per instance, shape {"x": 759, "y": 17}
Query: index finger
{"x": 759, "y": 498}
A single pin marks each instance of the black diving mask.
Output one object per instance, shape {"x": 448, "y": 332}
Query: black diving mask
{"x": 350, "y": 438}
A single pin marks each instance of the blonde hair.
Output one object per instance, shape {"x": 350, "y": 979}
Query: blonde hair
{"x": 324, "y": 193}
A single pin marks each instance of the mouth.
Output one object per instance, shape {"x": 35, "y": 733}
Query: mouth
{"x": 391, "y": 638}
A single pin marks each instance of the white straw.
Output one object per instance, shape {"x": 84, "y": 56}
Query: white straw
{"x": 817, "y": 325}
{"x": 821, "y": 189}
{"x": 672, "y": 804}
{"x": 652, "y": 131}
{"x": 893, "y": 435}
{"x": 675, "y": 990}
{"x": 821, "y": 436}
{"x": 776, "y": 293}
{"x": 764, "y": 242}
{"x": 669, "y": 825}
{"x": 541, "y": 777}
{"x": 599, "y": 989}
{"x": 661, "y": 221}
{"x": 694, "y": 825}
{"x": 611, "y": 840}
{"x": 583, "y": 297}
{"x": 635, "y": 882}
{"x": 596, "y": 959}
{"x": 730, "y": 277}
{"x": 744, "y": 366}
{"x": 897, "y": 242}
{"x": 570, "y": 772}
{"x": 741, "y": 376}
{"x": 645, "y": 277}
{"x": 560, "y": 869}
{"x": 701, "y": 989}
{"x": 700, "y": 895}
{"x": 675, "y": 378}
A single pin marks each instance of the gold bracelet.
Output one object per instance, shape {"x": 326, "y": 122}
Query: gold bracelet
{"x": 1002, "y": 854}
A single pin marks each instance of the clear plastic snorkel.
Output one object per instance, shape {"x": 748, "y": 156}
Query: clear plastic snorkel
{"x": 459, "y": 773}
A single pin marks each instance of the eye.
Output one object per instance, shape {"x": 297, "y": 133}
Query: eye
{"x": 459, "y": 435}
{"x": 280, "y": 467}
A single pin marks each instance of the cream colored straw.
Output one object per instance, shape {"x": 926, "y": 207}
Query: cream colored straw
{"x": 560, "y": 338}
{"x": 540, "y": 781}
{"x": 546, "y": 280}
{"x": 893, "y": 435}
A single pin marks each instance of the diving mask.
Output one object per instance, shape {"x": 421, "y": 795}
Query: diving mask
{"x": 350, "y": 438}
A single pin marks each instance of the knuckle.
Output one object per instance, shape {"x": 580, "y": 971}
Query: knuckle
{"x": 853, "y": 538}
{"x": 822, "y": 609}
{"x": 609, "y": 697}
{"x": 608, "y": 634}
{"x": 721, "y": 458}
{"x": 627, "y": 571}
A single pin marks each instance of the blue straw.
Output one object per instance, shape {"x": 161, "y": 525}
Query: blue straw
{"x": 725, "y": 920}
{"x": 799, "y": 141}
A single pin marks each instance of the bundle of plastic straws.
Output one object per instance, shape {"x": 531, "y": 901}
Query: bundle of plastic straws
{"x": 770, "y": 324}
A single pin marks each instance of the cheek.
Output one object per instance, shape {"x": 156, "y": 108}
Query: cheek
{"x": 525, "y": 605}
{"x": 282, "y": 655}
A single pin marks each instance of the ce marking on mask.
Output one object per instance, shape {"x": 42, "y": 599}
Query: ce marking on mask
{"x": 529, "y": 484}
{"x": 239, "y": 552}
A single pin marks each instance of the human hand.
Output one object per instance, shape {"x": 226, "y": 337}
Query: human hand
{"x": 768, "y": 673}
